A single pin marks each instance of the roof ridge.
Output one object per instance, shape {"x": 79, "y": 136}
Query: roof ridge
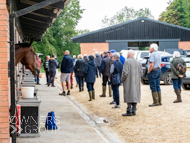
{"x": 127, "y": 22}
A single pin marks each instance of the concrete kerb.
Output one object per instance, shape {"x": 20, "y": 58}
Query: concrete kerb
{"x": 106, "y": 136}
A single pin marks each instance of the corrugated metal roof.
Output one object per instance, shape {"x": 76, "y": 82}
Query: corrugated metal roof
{"x": 127, "y": 31}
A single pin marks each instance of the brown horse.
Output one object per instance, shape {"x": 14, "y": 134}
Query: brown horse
{"x": 25, "y": 54}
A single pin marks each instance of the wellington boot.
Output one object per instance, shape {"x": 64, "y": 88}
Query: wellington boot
{"x": 159, "y": 98}
{"x": 93, "y": 94}
{"x": 103, "y": 91}
{"x": 110, "y": 91}
{"x": 178, "y": 93}
{"x": 90, "y": 95}
{"x": 155, "y": 99}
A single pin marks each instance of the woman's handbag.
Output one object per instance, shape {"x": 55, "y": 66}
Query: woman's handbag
{"x": 116, "y": 79}
{"x": 40, "y": 75}
{"x": 181, "y": 68}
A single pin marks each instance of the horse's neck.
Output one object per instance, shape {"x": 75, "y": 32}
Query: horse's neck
{"x": 20, "y": 54}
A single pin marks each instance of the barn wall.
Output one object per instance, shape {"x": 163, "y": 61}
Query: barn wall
{"x": 90, "y": 48}
{"x": 163, "y": 45}
{"x": 184, "y": 45}
{"x": 4, "y": 81}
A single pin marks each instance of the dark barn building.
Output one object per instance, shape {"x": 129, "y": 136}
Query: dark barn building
{"x": 135, "y": 34}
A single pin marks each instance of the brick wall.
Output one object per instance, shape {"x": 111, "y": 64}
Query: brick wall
{"x": 184, "y": 45}
{"x": 4, "y": 57}
{"x": 90, "y": 48}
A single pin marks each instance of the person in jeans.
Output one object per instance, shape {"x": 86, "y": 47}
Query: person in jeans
{"x": 131, "y": 79}
{"x": 79, "y": 70}
{"x": 116, "y": 68}
{"x": 46, "y": 68}
{"x": 154, "y": 72}
{"x": 66, "y": 70}
{"x": 176, "y": 76}
{"x": 90, "y": 76}
{"x": 37, "y": 79}
{"x": 52, "y": 70}
{"x": 105, "y": 70}
{"x": 98, "y": 61}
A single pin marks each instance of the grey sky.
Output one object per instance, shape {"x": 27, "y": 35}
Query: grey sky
{"x": 96, "y": 10}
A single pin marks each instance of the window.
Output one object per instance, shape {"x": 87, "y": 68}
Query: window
{"x": 144, "y": 54}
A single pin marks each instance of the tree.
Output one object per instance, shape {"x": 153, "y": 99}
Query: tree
{"x": 80, "y": 32}
{"x": 186, "y": 5}
{"x": 58, "y": 37}
{"x": 126, "y": 14}
{"x": 178, "y": 13}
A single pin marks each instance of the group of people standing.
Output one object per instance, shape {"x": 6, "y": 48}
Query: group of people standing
{"x": 116, "y": 71}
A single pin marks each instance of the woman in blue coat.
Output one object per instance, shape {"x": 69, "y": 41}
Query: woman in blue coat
{"x": 90, "y": 76}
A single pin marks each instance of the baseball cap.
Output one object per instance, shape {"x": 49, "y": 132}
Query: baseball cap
{"x": 111, "y": 51}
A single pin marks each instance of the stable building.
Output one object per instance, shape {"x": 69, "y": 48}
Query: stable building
{"x": 135, "y": 34}
{"x": 20, "y": 21}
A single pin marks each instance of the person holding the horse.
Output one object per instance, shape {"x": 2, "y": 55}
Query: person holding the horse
{"x": 79, "y": 70}
{"x": 178, "y": 69}
{"x": 37, "y": 79}
{"x": 66, "y": 70}
{"x": 131, "y": 79}
{"x": 90, "y": 76}
{"x": 52, "y": 70}
{"x": 46, "y": 68}
{"x": 116, "y": 71}
{"x": 154, "y": 72}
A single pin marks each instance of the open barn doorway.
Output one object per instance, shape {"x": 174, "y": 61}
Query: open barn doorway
{"x": 142, "y": 46}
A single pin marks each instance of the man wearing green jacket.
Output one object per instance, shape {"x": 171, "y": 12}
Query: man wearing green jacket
{"x": 177, "y": 75}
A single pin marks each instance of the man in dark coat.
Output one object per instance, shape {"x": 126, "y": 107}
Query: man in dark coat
{"x": 52, "y": 70}
{"x": 66, "y": 70}
{"x": 79, "y": 70}
{"x": 90, "y": 77}
{"x": 105, "y": 70}
{"x": 98, "y": 61}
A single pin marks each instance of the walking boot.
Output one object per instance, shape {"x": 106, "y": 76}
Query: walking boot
{"x": 129, "y": 110}
{"x": 155, "y": 99}
{"x": 159, "y": 98}
{"x": 110, "y": 91}
{"x": 134, "y": 108}
{"x": 90, "y": 95}
{"x": 103, "y": 91}
{"x": 93, "y": 94}
{"x": 178, "y": 93}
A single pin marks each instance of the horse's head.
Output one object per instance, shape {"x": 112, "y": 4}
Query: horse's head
{"x": 31, "y": 62}
{"x": 27, "y": 57}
